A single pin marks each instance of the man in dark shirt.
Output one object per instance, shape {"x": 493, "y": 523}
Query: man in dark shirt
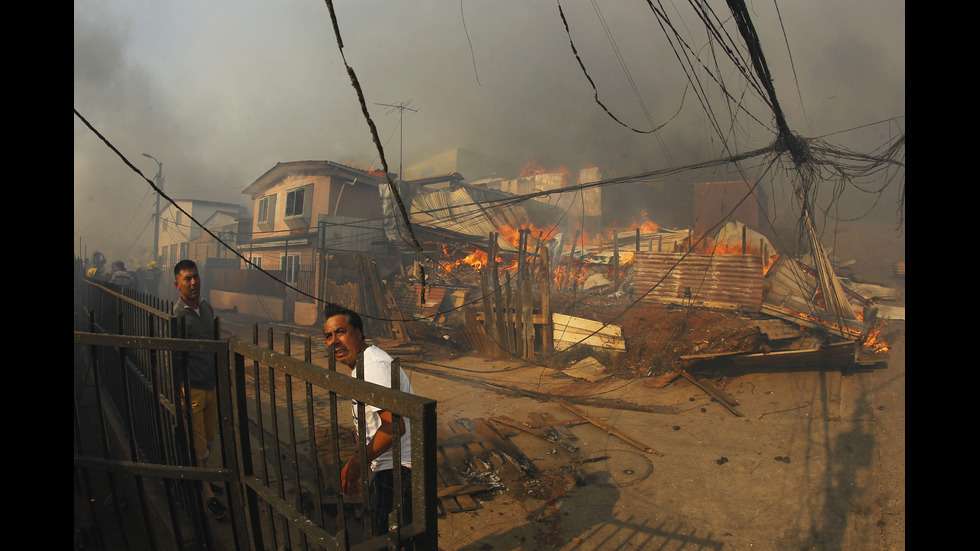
{"x": 199, "y": 318}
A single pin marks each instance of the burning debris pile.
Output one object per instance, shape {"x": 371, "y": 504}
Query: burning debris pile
{"x": 642, "y": 301}
{"x": 518, "y": 279}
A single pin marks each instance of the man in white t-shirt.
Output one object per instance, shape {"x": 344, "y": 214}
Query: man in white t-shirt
{"x": 343, "y": 329}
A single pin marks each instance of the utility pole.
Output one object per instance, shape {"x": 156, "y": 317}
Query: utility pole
{"x": 158, "y": 181}
{"x": 401, "y": 107}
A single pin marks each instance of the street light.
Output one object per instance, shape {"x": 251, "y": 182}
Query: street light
{"x": 158, "y": 181}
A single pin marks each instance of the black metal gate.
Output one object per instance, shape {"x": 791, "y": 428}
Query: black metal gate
{"x": 281, "y": 438}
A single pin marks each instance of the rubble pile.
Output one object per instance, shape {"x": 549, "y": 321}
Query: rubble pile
{"x": 680, "y": 304}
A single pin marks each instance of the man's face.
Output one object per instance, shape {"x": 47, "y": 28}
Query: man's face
{"x": 348, "y": 341}
{"x": 189, "y": 283}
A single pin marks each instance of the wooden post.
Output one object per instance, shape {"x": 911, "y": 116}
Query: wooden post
{"x": 489, "y": 315}
{"x": 537, "y": 248}
{"x": 637, "y": 239}
{"x": 745, "y": 249}
{"x": 498, "y": 305}
{"x": 488, "y": 325}
{"x": 492, "y": 252}
{"x": 548, "y": 331}
{"x": 494, "y": 283}
{"x": 510, "y": 318}
{"x": 528, "y": 317}
{"x": 615, "y": 262}
{"x": 522, "y": 252}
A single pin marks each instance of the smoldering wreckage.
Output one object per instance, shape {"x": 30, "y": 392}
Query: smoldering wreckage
{"x": 600, "y": 300}
{"x": 548, "y": 288}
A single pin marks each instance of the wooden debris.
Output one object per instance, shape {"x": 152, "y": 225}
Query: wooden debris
{"x": 551, "y": 435}
{"x": 777, "y": 329}
{"x": 467, "y": 450}
{"x": 461, "y": 490}
{"x": 505, "y": 447}
{"x": 455, "y": 462}
{"x": 549, "y": 420}
{"x": 609, "y": 429}
{"x": 398, "y": 328}
{"x": 722, "y": 397}
{"x": 661, "y": 381}
{"x": 709, "y": 356}
{"x": 570, "y": 331}
{"x": 831, "y": 356}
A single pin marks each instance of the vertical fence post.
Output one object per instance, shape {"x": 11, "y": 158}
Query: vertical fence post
{"x": 548, "y": 334}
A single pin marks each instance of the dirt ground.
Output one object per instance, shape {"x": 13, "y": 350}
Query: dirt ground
{"x": 816, "y": 461}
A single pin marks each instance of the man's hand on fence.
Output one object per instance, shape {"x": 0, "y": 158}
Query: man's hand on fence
{"x": 350, "y": 475}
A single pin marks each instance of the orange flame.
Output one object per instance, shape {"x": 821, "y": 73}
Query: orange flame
{"x": 563, "y": 277}
{"x": 875, "y": 342}
{"x": 513, "y": 236}
{"x": 477, "y": 260}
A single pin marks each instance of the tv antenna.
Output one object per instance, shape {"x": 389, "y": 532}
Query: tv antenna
{"x": 402, "y": 106}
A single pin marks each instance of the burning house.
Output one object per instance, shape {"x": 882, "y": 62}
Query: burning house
{"x": 303, "y": 211}
{"x": 502, "y": 256}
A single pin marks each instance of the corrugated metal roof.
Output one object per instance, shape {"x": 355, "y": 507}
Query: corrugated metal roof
{"x": 457, "y": 211}
{"x": 732, "y": 281}
{"x": 790, "y": 291}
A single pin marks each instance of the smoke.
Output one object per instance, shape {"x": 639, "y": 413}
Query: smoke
{"x": 221, "y": 91}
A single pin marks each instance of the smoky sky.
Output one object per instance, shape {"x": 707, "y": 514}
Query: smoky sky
{"x": 221, "y": 91}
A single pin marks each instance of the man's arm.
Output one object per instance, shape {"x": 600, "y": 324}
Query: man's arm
{"x": 378, "y": 445}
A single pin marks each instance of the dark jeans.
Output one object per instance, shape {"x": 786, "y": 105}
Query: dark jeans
{"x": 382, "y": 494}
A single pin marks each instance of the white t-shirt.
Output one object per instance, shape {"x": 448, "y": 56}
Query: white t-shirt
{"x": 377, "y": 370}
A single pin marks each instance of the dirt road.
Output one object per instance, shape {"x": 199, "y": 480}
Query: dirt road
{"x": 817, "y": 461}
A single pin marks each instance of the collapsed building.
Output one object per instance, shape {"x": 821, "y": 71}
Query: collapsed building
{"x": 504, "y": 255}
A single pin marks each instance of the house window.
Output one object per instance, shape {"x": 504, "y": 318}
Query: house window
{"x": 289, "y": 264}
{"x": 256, "y": 263}
{"x": 263, "y": 211}
{"x": 295, "y": 200}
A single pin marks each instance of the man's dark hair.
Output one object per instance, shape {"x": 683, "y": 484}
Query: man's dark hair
{"x": 186, "y": 264}
{"x": 331, "y": 310}
{"x": 119, "y": 264}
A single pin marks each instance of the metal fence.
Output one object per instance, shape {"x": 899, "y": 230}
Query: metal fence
{"x": 280, "y": 448}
